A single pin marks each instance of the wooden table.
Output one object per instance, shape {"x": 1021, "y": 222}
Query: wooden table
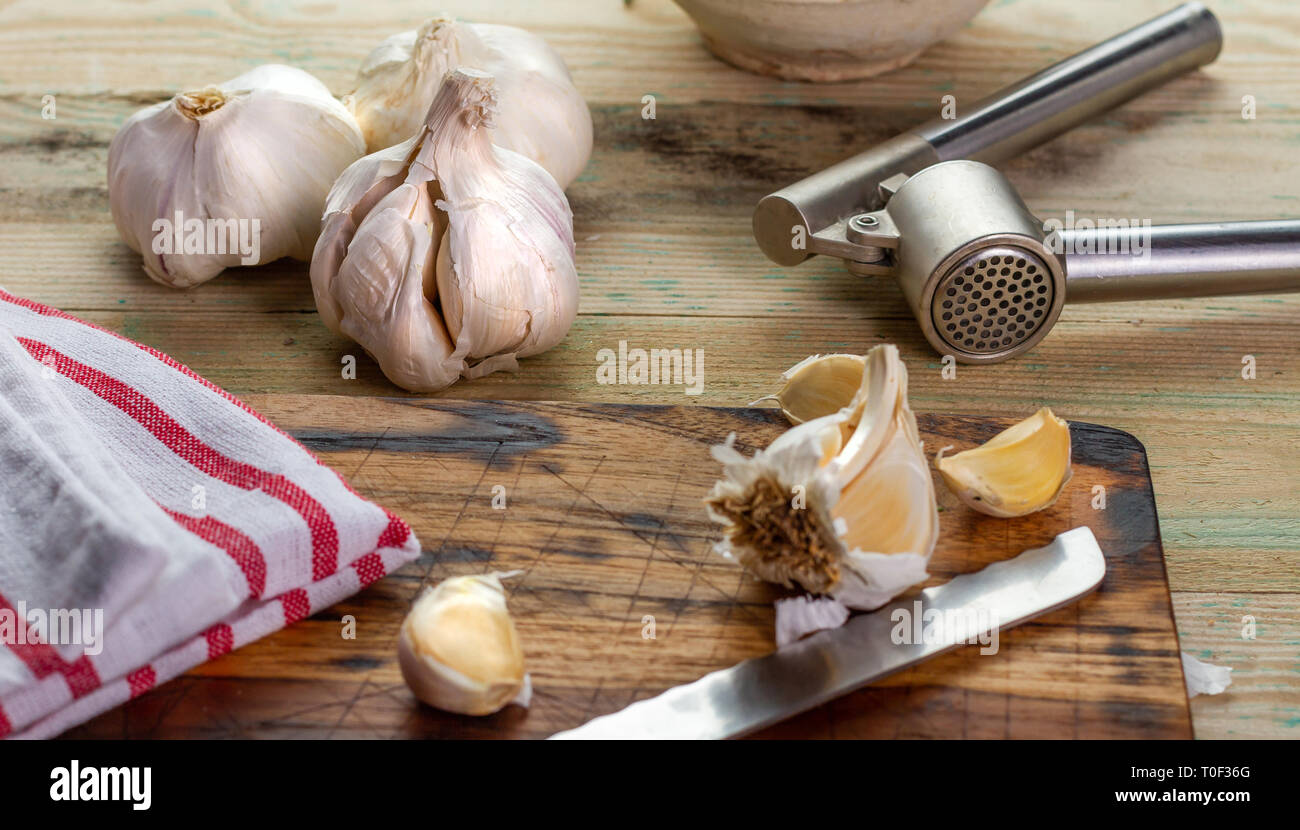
{"x": 665, "y": 256}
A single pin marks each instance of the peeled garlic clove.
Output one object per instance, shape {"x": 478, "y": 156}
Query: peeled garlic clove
{"x": 264, "y": 147}
{"x": 1020, "y": 470}
{"x": 458, "y": 648}
{"x": 482, "y": 273}
{"x": 541, "y": 114}
{"x": 841, "y": 505}
{"x": 820, "y": 385}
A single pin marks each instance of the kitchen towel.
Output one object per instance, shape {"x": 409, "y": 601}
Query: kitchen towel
{"x": 150, "y": 521}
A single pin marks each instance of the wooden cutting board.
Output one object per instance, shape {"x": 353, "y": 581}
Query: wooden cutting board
{"x": 602, "y": 513}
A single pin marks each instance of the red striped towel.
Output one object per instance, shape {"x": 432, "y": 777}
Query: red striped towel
{"x": 132, "y": 488}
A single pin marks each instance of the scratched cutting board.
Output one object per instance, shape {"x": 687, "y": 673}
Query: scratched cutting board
{"x": 603, "y": 515}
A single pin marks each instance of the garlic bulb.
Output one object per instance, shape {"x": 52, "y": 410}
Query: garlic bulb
{"x": 447, "y": 255}
{"x": 841, "y": 505}
{"x": 234, "y": 174}
{"x": 458, "y": 648}
{"x": 541, "y": 115}
{"x": 1020, "y": 470}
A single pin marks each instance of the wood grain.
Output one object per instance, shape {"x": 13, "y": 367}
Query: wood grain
{"x": 603, "y": 515}
{"x": 665, "y": 257}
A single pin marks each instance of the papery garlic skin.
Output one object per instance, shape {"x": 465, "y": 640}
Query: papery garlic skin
{"x": 541, "y": 114}
{"x": 264, "y": 146}
{"x": 447, "y": 256}
{"x": 458, "y": 648}
{"x": 842, "y": 505}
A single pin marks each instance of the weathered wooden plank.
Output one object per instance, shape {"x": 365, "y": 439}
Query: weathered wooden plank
{"x": 1223, "y": 449}
{"x": 604, "y": 517}
{"x": 616, "y": 54}
{"x": 1264, "y": 698}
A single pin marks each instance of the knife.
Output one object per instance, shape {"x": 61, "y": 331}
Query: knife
{"x": 763, "y": 690}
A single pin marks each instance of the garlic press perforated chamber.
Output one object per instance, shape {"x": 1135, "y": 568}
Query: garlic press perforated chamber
{"x": 985, "y": 278}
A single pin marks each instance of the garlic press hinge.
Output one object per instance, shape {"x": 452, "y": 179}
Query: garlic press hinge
{"x": 866, "y": 241}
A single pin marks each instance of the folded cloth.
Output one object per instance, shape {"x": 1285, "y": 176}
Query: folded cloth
{"x": 150, "y": 521}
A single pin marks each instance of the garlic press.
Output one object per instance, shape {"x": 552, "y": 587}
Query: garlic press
{"x": 985, "y": 278}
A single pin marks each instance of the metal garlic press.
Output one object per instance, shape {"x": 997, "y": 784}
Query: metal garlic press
{"x": 985, "y": 278}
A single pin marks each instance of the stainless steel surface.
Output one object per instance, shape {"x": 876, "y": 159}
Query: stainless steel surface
{"x": 998, "y": 127}
{"x": 926, "y": 209}
{"x": 810, "y": 206}
{"x": 950, "y": 218}
{"x": 764, "y": 690}
{"x": 986, "y": 281}
{"x": 1066, "y": 94}
{"x": 995, "y": 299}
{"x": 1169, "y": 261}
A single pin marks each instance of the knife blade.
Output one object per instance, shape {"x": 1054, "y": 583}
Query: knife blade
{"x": 764, "y": 690}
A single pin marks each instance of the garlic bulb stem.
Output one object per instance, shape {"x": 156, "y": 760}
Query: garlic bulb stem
{"x": 201, "y": 102}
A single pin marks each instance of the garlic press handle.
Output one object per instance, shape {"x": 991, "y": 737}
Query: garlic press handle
{"x": 1068, "y": 93}
{"x": 1173, "y": 261}
{"x": 800, "y": 220}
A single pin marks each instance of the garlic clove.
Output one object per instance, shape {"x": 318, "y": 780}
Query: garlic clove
{"x": 1020, "y": 470}
{"x": 458, "y": 648}
{"x": 381, "y": 288}
{"x": 356, "y": 191}
{"x": 889, "y": 507}
{"x": 541, "y": 114}
{"x": 264, "y": 147}
{"x": 890, "y": 525}
{"x": 841, "y": 505}
{"x": 820, "y": 385}
{"x": 497, "y": 200}
{"x": 877, "y": 410}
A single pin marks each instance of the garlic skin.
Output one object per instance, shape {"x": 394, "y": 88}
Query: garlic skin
{"x": 1019, "y": 471}
{"x": 541, "y": 114}
{"x": 264, "y": 146}
{"x": 458, "y": 648}
{"x": 447, "y": 256}
{"x": 841, "y": 505}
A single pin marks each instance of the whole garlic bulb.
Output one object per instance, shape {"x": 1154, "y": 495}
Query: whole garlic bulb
{"x": 447, "y": 255}
{"x": 458, "y": 648}
{"x": 261, "y": 149}
{"x": 541, "y": 114}
{"x": 842, "y": 505}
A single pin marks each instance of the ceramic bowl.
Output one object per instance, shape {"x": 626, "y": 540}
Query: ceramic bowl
{"x": 825, "y": 40}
